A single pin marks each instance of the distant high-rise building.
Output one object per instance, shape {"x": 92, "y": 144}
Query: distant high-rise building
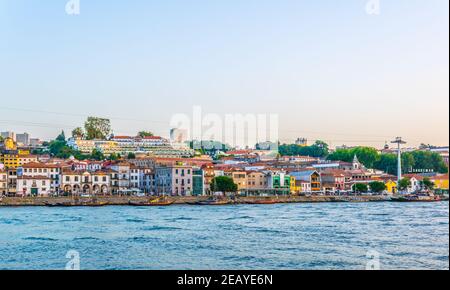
{"x": 301, "y": 142}
{"x": 9, "y": 134}
{"x": 23, "y": 139}
{"x": 35, "y": 142}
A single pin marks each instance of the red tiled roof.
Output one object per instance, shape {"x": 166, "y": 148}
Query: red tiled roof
{"x": 40, "y": 165}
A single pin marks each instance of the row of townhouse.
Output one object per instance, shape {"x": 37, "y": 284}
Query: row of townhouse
{"x": 44, "y": 179}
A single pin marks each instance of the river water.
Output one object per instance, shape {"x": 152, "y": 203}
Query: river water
{"x": 281, "y": 236}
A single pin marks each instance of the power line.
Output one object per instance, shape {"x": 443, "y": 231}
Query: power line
{"x": 80, "y": 115}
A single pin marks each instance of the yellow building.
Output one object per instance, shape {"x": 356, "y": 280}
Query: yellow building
{"x": 294, "y": 188}
{"x": 440, "y": 181}
{"x": 10, "y": 159}
{"x": 391, "y": 186}
{"x": 239, "y": 177}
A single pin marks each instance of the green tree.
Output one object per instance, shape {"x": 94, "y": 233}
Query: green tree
{"x": 318, "y": 149}
{"x": 114, "y": 157}
{"x": 78, "y": 132}
{"x": 61, "y": 137}
{"x": 55, "y": 147}
{"x": 427, "y": 184}
{"x": 404, "y": 183}
{"x": 131, "y": 155}
{"x": 97, "y": 155}
{"x": 223, "y": 184}
{"x": 366, "y": 155}
{"x": 97, "y": 128}
{"x": 377, "y": 186}
{"x": 143, "y": 134}
{"x": 360, "y": 187}
{"x": 387, "y": 163}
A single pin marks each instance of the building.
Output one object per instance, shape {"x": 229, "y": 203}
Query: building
{"x": 8, "y": 134}
{"x": 123, "y": 145}
{"x": 440, "y": 181}
{"x": 120, "y": 177}
{"x": 23, "y": 139}
{"x": 391, "y": 186}
{"x": 333, "y": 180}
{"x": 278, "y": 180}
{"x": 257, "y": 180}
{"x": 3, "y": 182}
{"x": 307, "y": 181}
{"x": 33, "y": 185}
{"x": 28, "y": 158}
{"x": 12, "y": 181}
{"x": 35, "y": 169}
{"x": 415, "y": 182}
{"x": 89, "y": 183}
{"x": 174, "y": 180}
{"x": 198, "y": 182}
{"x": 239, "y": 177}
{"x": 301, "y": 142}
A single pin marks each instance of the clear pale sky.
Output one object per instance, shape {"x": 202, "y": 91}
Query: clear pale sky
{"x": 330, "y": 70}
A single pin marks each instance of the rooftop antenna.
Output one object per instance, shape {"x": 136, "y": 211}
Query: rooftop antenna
{"x": 399, "y": 141}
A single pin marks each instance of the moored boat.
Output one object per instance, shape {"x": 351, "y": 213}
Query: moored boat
{"x": 262, "y": 201}
{"x": 416, "y": 198}
{"x": 155, "y": 202}
{"x": 212, "y": 201}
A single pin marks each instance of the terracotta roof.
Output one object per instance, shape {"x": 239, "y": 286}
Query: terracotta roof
{"x": 416, "y": 176}
{"x": 40, "y": 165}
{"x": 440, "y": 177}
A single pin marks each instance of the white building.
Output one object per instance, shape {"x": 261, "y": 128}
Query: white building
{"x": 33, "y": 186}
{"x": 3, "y": 182}
{"x": 79, "y": 182}
{"x": 36, "y": 169}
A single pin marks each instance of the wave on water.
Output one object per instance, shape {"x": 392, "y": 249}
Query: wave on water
{"x": 11, "y": 221}
{"x": 86, "y": 239}
{"x": 160, "y": 228}
{"x": 134, "y": 220}
{"x": 44, "y": 239}
{"x": 239, "y": 218}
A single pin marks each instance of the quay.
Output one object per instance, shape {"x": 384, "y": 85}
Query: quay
{"x": 177, "y": 200}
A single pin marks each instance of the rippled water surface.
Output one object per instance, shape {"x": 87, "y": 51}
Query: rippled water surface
{"x": 283, "y": 236}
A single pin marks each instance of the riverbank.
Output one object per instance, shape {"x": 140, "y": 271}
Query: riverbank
{"x": 178, "y": 200}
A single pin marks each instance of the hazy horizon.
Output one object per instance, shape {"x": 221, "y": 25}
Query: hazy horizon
{"x": 330, "y": 70}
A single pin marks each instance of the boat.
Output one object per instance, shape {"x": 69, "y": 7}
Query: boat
{"x": 59, "y": 204}
{"x": 416, "y": 198}
{"x": 263, "y": 201}
{"x": 212, "y": 201}
{"x": 162, "y": 201}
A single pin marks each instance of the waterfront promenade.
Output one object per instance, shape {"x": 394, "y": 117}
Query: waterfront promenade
{"x": 180, "y": 200}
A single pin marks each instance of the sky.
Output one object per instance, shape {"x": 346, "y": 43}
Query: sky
{"x": 329, "y": 69}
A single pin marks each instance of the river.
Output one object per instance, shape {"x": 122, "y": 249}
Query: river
{"x": 281, "y": 236}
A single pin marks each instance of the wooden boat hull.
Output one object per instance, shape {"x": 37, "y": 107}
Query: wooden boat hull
{"x": 262, "y": 202}
{"x": 151, "y": 203}
{"x": 211, "y": 203}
